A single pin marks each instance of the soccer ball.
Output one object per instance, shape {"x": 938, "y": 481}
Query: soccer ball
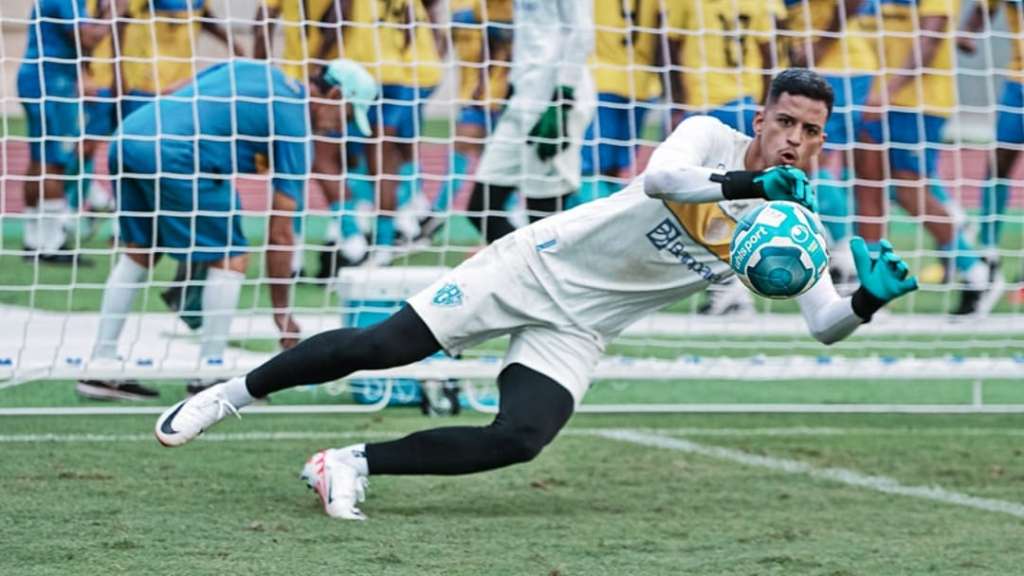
{"x": 778, "y": 250}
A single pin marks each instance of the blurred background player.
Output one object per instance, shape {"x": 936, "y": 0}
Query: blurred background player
{"x": 50, "y": 87}
{"x": 916, "y": 97}
{"x": 627, "y": 47}
{"x": 179, "y": 154}
{"x": 312, "y": 31}
{"x": 395, "y": 41}
{"x": 1009, "y": 129}
{"x": 825, "y": 35}
{"x": 721, "y": 53}
{"x": 481, "y": 33}
{"x": 535, "y": 149}
{"x": 722, "y": 57}
{"x": 156, "y": 40}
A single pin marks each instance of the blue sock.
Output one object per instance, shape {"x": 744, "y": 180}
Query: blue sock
{"x": 450, "y": 187}
{"x": 408, "y": 185}
{"x": 939, "y": 192}
{"x": 834, "y": 205}
{"x": 360, "y": 185}
{"x": 993, "y": 206}
{"x": 385, "y": 231}
{"x": 73, "y": 188}
{"x": 585, "y": 193}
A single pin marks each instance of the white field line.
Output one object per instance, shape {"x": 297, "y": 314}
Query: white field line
{"x": 782, "y": 432}
{"x": 841, "y": 475}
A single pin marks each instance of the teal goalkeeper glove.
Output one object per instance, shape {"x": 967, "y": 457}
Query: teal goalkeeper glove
{"x": 549, "y": 135}
{"x": 787, "y": 183}
{"x": 882, "y": 279}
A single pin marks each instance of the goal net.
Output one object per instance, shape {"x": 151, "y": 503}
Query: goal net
{"x": 380, "y": 216}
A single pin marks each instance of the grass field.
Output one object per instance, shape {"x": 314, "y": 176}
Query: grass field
{"x": 739, "y": 494}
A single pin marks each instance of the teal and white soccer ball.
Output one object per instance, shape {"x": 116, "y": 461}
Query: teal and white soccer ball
{"x": 778, "y": 250}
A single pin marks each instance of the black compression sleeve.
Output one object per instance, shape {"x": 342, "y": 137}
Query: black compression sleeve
{"x": 401, "y": 339}
{"x": 865, "y": 304}
{"x": 739, "y": 184}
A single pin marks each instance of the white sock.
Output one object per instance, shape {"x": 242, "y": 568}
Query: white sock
{"x": 220, "y": 299}
{"x": 237, "y": 393}
{"x": 30, "y": 230}
{"x": 51, "y": 225}
{"x": 118, "y": 296}
{"x": 976, "y": 276}
{"x": 354, "y": 456}
{"x": 354, "y": 247}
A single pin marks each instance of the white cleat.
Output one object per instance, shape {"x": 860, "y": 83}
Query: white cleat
{"x": 189, "y": 418}
{"x": 339, "y": 485}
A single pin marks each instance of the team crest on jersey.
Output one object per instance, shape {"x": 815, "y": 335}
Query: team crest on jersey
{"x": 664, "y": 234}
{"x": 448, "y": 296}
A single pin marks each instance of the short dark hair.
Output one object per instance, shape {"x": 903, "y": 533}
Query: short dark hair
{"x": 801, "y": 82}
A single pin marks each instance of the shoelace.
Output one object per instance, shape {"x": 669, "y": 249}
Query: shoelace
{"x": 223, "y": 407}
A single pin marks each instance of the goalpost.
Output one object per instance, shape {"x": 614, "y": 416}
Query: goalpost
{"x": 49, "y": 315}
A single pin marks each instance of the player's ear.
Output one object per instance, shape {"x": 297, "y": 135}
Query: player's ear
{"x": 758, "y": 121}
{"x": 334, "y": 93}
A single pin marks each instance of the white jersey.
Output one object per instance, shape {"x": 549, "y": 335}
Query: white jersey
{"x": 612, "y": 261}
{"x": 553, "y": 39}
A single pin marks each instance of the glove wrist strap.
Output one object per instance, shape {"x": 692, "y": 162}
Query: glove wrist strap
{"x": 865, "y": 304}
{"x": 739, "y": 185}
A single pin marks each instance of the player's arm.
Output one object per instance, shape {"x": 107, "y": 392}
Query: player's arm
{"x": 883, "y": 278}
{"x": 975, "y": 23}
{"x": 334, "y": 17}
{"x": 676, "y": 172}
{"x": 90, "y": 30}
{"x": 844, "y": 13}
{"x": 279, "y": 265}
{"x": 212, "y": 26}
{"x": 548, "y": 134}
{"x": 263, "y": 30}
{"x": 929, "y": 39}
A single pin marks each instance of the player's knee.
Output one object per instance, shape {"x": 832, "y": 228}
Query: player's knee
{"x": 520, "y": 443}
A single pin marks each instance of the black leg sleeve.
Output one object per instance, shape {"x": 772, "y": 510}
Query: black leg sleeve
{"x": 540, "y": 208}
{"x": 484, "y": 207}
{"x": 401, "y": 339}
{"x": 532, "y": 409}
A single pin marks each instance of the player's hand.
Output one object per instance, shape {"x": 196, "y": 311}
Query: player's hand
{"x": 966, "y": 44}
{"x": 289, "y": 329}
{"x": 886, "y": 276}
{"x": 549, "y": 135}
{"x": 787, "y": 183}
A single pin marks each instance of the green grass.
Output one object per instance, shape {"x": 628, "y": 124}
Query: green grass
{"x": 585, "y": 506}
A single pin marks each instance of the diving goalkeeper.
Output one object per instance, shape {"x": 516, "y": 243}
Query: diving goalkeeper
{"x": 563, "y": 288}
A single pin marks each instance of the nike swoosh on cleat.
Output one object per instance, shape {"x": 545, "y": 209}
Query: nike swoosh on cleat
{"x": 330, "y": 492}
{"x": 165, "y": 426}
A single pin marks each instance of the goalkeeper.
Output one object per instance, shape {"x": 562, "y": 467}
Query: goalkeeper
{"x": 177, "y": 158}
{"x": 564, "y": 287}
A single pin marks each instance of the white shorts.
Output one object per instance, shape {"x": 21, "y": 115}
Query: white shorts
{"x": 495, "y": 293}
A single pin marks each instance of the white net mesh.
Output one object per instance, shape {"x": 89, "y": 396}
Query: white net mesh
{"x": 379, "y": 216}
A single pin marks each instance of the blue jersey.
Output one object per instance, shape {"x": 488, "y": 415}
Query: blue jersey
{"x": 239, "y": 117}
{"x": 52, "y": 43}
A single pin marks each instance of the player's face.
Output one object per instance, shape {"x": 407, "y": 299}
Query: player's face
{"x": 328, "y": 112}
{"x": 792, "y": 130}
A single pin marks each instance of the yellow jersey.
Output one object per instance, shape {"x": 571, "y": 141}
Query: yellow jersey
{"x": 934, "y": 88}
{"x": 158, "y": 44}
{"x": 472, "y": 22}
{"x": 101, "y": 64}
{"x": 395, "y": 41}
{"x": 721, "y": 54}
{"x": 625, "y": 47}
{"x": 303, "y": 35}
{"x": 849, "y": 53}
